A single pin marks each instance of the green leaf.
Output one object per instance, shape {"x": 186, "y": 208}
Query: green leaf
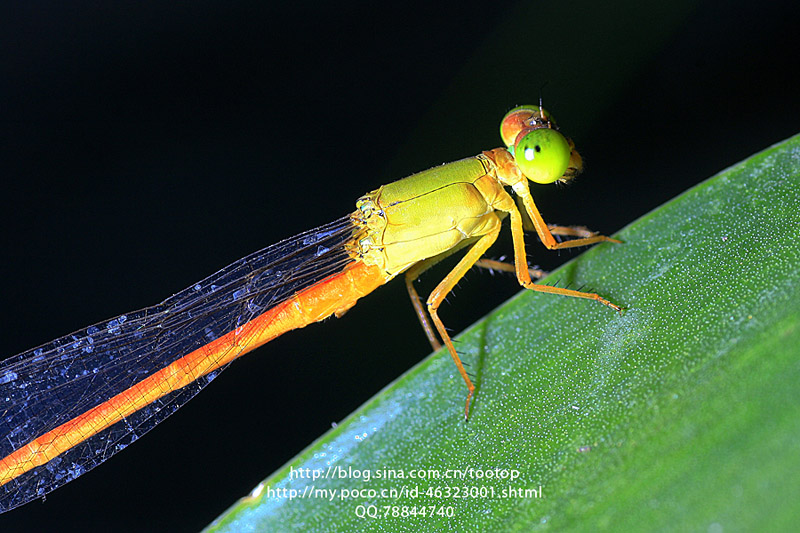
{"x": 680, "y": 414}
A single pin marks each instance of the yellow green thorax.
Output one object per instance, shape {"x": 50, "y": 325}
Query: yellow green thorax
{"x": 427, "y": 214}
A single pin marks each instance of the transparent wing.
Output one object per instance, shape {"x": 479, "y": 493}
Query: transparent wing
{"x": 46, "y": 387}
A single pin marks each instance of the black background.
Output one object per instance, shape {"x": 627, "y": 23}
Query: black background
{"x": 146, "y": 146}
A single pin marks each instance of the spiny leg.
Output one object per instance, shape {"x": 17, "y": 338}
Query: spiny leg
{"x": 546, "y": 231}
{"x": 446, "y": 285}
{"x": 535, "y": 273}
{"x": 545, "y": 234}
{"x": 573, "y": 231}
{"x": 411, "y": 276}
{"x": 492, "y": 264}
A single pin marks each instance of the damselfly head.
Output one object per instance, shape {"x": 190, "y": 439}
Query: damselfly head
{"x": 542, "y": 153}
{"x": 522, "y": 118}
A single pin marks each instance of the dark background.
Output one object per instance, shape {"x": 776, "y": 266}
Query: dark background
{"x": 144, "y": 147}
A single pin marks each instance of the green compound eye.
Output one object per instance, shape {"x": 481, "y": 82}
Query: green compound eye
{"x": 542, "y": 155}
